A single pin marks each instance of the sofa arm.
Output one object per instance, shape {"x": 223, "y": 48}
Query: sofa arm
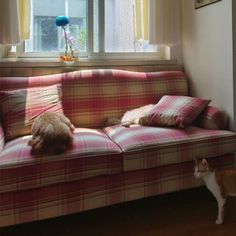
{"x": 212, "y": 118}
{"x": 2, "y": 138}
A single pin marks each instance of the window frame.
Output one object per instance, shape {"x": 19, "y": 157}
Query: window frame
{"x": 90, "y": 54}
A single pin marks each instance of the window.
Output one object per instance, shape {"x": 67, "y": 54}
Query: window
{"x": 100, "y": 27}
{"x": 45, "y": 36}
{"x": 120, "y": 28}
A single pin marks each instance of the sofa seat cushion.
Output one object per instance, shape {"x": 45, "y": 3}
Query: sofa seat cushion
{"x": 148, "y": 147}
{"x": 93, "y": 154}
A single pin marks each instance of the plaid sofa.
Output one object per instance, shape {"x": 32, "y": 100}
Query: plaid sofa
{"x": 107, "y": 165}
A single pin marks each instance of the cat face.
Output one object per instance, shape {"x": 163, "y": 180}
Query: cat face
{"x": 201, "y": 168}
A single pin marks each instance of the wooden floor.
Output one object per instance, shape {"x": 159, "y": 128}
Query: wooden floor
{"x": 191, "y": 212}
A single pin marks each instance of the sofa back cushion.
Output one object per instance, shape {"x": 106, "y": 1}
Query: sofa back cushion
{"x": 19, "y": 107}
{"x": 91, "y": 97}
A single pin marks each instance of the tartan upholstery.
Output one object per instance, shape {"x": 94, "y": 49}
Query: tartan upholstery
{"x": 212, "y": 118}
{"x": 147, "y": 147}
{"x": 96, "y": 171}
{"x": 178, "y": 111}
{"x": 77, "y": 196}
{"x": 93, "y": 154}
{"x": 2, "y": 138}
{"x": 12, "y": 83}
{"x": 90, "y": 97}
{"x": 21, "y": 106}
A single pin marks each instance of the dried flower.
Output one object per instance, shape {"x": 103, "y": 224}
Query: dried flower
{"x": 63, "y": 22}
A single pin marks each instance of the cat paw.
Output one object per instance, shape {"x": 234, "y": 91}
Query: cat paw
{"x": 125, "y": 124}
{"x": 219, "y": 222}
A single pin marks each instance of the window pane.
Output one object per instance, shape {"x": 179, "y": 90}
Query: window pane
{"x": 120, "y": 28}
{"x": 95, "y": 26}
{"x": 45, "y": 36}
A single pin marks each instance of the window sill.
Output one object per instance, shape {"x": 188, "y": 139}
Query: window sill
{"x": 47, "y": 62}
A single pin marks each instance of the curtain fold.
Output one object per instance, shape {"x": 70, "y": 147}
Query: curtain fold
{"x": 164, "y": 22}
{"x": 141, "y": 19}
{"x": 25, "y": 18}
{"x": 14, "y": 21}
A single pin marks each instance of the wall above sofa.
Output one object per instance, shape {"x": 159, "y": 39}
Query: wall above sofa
{"x": 208, "y": 52}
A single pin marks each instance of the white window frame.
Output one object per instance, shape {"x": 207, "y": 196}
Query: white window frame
{"x": 90, "y": 54}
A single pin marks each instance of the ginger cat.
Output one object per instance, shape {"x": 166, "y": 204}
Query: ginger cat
{"x": 130, "y": 117}
{"x": 221, "y": 183}
{"x": 51, "y": 133}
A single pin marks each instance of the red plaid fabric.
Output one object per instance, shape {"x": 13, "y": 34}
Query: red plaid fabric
{"x": 91, "y": 97}
{"x": 212, "y": 118}
{"x": 2, "y": 138}
{"x": 77, "y": 196}
{"x": 20, "y": 107}
{"x": 178, "y": 111}
{"x": 10, "y": 83}
{"x": 92, "y": 174}
{"x": 93, "y": 154}
{"x": 147, "y": 147}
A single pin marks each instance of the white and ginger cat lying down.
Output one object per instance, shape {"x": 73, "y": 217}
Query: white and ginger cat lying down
{"x": 130, "y": 117}
{"x": 221, "y": 183}
{"x": 51, "y": 133}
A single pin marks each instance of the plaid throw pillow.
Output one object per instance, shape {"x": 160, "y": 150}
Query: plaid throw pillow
{"x": 20, "y": 107}
{"x": 178, "y": 111}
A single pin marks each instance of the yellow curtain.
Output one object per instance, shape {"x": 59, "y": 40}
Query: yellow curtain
{"x": 141, "y": 19}
{"x": 24, "y": 15}
{"x": 14, "y": 21}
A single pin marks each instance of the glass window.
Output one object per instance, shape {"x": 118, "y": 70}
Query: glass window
{"x": 111, "y": 30}
{"x": 46, "y": 36}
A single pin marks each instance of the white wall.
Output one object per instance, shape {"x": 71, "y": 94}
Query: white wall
{"x": 208, "y": 52}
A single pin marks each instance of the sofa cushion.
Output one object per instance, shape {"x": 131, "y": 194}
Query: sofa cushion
{"x": 147, "y": 147}
{"x": 178, "y": 111}
{"x": 212, "y": 118}
{"x": 93, "y": 154}
{"x": 91, "y": 97}
{"x": 19, "y": 108}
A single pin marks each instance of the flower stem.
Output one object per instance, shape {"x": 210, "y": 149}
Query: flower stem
{"x": 66, "y": 40}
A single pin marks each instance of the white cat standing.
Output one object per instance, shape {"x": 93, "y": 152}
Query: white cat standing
{"x": 221, "y": 183}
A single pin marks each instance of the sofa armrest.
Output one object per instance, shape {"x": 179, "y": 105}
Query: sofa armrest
{"x": 212, "y": 118}
{"x": 2, "y": 138}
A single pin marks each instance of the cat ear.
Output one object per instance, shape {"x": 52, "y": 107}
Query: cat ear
{"x": 204, "y": 162}
{"x": 197, "y": 160}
